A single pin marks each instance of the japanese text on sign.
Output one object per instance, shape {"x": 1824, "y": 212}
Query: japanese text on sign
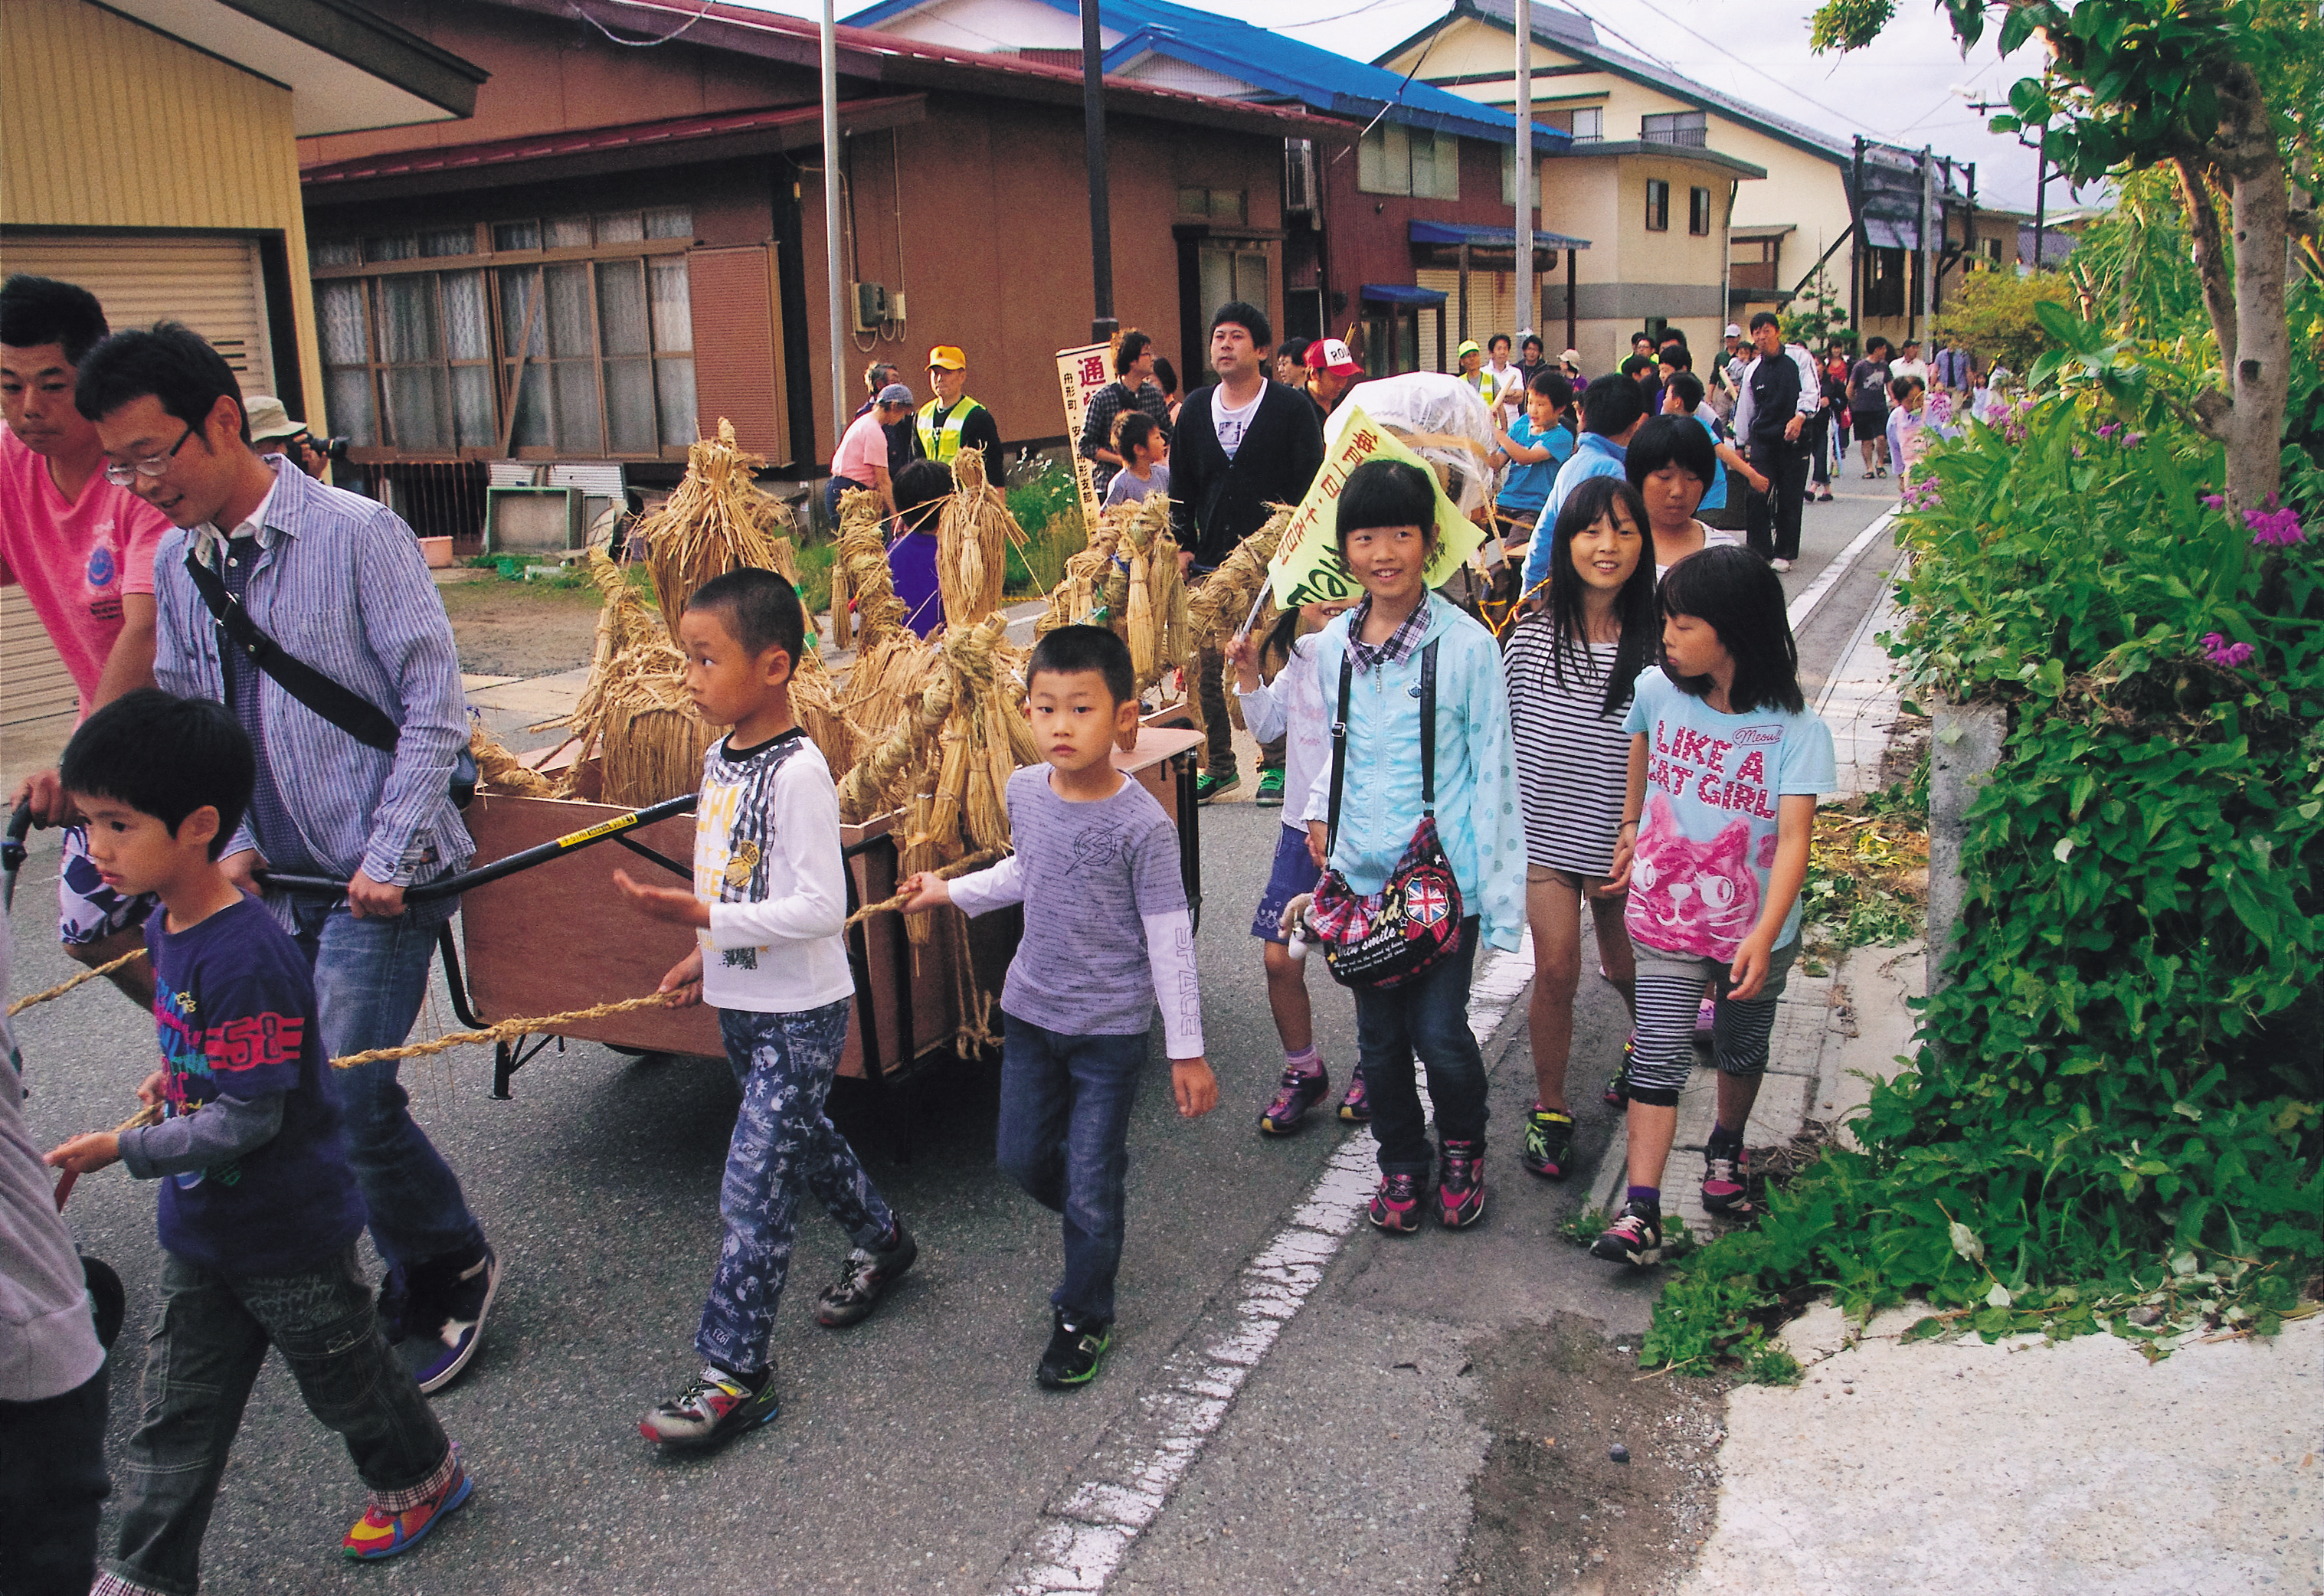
{"x": 1081, "y": 373}
{"x": 1307, "y": 567}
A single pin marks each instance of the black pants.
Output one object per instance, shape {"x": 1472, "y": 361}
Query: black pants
{"x": 1773, "y": 523}
{"x": 51, "y": 1480}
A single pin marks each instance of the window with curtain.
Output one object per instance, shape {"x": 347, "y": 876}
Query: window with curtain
{"x": 1510, "y": 176}
{"x": 581, "y": 356}
{"x": 1394, "y": 159}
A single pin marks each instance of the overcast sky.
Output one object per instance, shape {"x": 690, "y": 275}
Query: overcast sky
{"x": 1901, "y": 89}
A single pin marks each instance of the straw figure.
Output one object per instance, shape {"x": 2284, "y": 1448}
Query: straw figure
{"x": 716, "y": 521}
{"x": 974, "y": 536}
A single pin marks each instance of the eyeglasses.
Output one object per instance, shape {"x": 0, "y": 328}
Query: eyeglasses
{"x": 121, "y": 476}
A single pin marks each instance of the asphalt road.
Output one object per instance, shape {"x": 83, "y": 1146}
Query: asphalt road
{"x": 914, "y": 1452}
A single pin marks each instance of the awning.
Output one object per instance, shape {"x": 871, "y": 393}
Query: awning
{"x": 1400, "y": 293}
{"x": 1488, "y": 237}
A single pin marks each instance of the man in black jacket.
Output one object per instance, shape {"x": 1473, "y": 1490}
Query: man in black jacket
{"x": 1241, "y": 443}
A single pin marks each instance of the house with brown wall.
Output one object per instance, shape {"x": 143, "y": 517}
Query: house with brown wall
{"x": 623, "y": 244}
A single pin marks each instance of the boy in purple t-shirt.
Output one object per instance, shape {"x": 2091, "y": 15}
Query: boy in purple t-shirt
{"x": 259, "y": 1210}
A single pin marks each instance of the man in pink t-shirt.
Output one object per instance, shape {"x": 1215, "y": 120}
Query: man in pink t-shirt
{"x": 82, "y": 550}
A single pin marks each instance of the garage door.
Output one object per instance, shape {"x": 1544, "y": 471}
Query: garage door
{"x": 212, "y": 285}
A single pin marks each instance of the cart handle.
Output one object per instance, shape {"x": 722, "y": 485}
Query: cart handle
{"x": 452, "y": 886}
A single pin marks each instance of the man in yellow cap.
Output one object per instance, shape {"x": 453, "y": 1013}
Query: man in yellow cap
{"x": 952, "y": 420}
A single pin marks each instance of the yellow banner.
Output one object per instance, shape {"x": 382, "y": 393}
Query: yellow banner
{"x": 1081, "y": 373}
{"x": 1307, "y": 567}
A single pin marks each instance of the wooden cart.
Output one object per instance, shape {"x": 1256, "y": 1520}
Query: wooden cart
{"x": 560, "y": 937}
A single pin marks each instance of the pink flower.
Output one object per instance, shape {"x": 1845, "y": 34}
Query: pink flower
{"x": 2216, "y": 500}
{"x": 2274, "y": 527}
{"x": 2219, "y": 651}
{"x": 2109, "y": 429}
{"x": 2131, "y": 440}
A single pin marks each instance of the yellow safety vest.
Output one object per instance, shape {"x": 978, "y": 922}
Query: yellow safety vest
{"x": 942, "y": 446}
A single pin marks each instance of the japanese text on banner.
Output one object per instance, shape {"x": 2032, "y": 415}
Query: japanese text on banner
{"x": 1307, "y": 567}
{"x": 1081, "y": 373}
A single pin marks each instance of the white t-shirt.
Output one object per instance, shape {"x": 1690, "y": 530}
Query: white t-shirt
{"x": 1910, "y": 368}
{"x": 766, "y": 831}
{"x": 1292, "y": 707}
{"x": 1712, "y": 538}
{"x": 1232, "y": 423}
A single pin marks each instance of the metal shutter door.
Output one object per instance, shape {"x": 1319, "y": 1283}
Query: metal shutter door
{"x": 1493, "y": 309}
{"x": 33, "y": 681}
{"x": 211, "y": 284}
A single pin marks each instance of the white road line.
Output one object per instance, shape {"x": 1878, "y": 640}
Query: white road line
{"x": 1828, "y": 579}
{"x": 1083, "y": 1535}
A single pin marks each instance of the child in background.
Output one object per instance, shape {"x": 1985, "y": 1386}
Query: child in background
{"x": 1143, "y": 450}
{"x": 770, "y": 898}
{"x": 1106, "y": 933}
{"x": 1373, "y": 663}
{"x": 1912, "y": 427}
{"x": 1291, "y": 707}
{"x": 259, "y": 1211}
{"x": 1671, "y": 463}
{"x": 1726, "y": 765}
{"x": 1535, "y": 445}
{"x": 922, "y": 489}
{"x": 1570, "y": 668}
{"x": 1683, "y": 396}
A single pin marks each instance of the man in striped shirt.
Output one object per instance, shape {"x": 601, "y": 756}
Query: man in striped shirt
{"x": 338, "y": 582}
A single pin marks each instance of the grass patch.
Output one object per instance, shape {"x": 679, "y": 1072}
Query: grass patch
{"x": 1868, "y": 877}
{"x": 1048, "y": 507}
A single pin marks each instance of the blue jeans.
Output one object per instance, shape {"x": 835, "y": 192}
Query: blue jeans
{"x": 209, "y": 1342}
{"x": 784, "y": 1145}
{"x": 1064, "y": 1138}
{"x": 370, "y": 978}
{"x": 1430, "y": 1016}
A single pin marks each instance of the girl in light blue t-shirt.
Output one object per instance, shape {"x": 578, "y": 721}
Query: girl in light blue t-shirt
{"x": 1727, "y": 763}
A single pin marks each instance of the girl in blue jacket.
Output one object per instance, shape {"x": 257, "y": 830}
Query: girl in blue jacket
{"x": 1386, "y": 534}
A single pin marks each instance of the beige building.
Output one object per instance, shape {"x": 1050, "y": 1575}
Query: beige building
{"x": 1634, "y": 124}
{"x": 152, "y": 156}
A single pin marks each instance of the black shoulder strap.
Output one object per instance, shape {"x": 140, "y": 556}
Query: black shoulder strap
{"x": 1339, "y": 751}
{"x": 352, "y": 712}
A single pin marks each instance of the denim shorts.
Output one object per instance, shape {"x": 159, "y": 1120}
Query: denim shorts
{"x": 1294, "y": 872}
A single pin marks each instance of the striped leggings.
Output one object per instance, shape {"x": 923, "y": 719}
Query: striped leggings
{"x": 1670, "y": 990}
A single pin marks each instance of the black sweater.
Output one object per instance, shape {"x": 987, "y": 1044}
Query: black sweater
{"x": 1216, "y": 503}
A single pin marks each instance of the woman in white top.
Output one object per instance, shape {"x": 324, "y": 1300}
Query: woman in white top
{"x": 1672, "y": 465}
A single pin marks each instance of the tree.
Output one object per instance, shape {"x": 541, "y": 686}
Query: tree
{"x": 2226, "y": 95}
{"x": 1816, "y": 318}
{"x": 1993, "y": 315}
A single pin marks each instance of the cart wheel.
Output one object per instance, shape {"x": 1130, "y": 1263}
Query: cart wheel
{"x": 108, "y": 1303}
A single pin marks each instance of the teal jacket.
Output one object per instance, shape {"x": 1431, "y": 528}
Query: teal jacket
{"x": 1476, "y": 769}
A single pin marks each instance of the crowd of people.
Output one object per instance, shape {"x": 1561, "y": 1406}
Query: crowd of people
{"x": 1636, "y": 753}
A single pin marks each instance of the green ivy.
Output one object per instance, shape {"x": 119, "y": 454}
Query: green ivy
{"x": 2115, "y": 1116}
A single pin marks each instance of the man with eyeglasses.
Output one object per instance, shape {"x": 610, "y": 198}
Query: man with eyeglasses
{"x": 82, "y": 550}
{"x": 339, "y": 583}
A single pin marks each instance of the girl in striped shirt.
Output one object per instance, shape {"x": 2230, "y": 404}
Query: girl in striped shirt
{"x": 1570, "y": 668}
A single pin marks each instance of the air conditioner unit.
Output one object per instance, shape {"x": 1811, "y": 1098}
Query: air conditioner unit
{"x": 1299, "y": 176}
{"x": 872, "y": 307}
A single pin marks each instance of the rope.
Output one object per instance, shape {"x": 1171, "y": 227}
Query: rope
{"x": 62, "y": 987}
{"x": 958, "y": 867}
{"x": 507, "y": 1031}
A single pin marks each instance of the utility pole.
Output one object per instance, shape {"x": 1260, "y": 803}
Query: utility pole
{"x": 1859, "y": 252}
{"x": 836, "y": 280}
{"x": 2041, "y": 194}
{"x": 1102, "y": 325}
{"x": 1928, "y": 255}
{"x": 1528, "y": 302}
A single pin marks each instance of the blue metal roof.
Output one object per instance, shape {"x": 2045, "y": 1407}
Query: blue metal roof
{"x": 1283, "y": 68}
{"x": 1489, "y": 237}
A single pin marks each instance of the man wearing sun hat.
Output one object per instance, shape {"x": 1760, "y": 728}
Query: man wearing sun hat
{"x": 952, "y": 420}
{"x": 273, "y": 432}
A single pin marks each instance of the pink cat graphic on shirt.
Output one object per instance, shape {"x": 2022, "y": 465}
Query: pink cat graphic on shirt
{"x": 1689, "y": 896}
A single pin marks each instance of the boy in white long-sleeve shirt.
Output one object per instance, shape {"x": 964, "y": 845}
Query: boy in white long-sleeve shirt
{"x": 1106, "y": 935}
{"x": 770, "y": 903}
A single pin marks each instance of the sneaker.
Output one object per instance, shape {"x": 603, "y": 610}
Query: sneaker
{"x": 1636, "y": 1238}
{"x": 1726, "y": 1184}
{"x": 1781, "y": 565}
{"x": 863, "y": 1280}
{"x": 1271, "y": 789}
{"x": 1208, "y": 785}
{"x": 1617, "y": 1085}
{"x": 1074, "y": 1354}
{"x": 1395, "y": 1207}
{"x": 1548, "y": 1143}
{"x": 714, "y": 1407}
{"x": 380, "y": 1533}
{"x": 454, "y": 1302}
{"x": 1356, "y": 1105}
{"x": 1706, "y": 1021}
{"x": 1460, "y": 1185}
{"x": 1299, "y": 1091}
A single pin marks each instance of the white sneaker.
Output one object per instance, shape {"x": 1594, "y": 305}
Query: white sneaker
{"x": 1781, "y": 565}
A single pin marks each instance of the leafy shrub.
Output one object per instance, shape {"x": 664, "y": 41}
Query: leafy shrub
{"x": 1048, "y": 507}
{"x": 2116, "y": 1115}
